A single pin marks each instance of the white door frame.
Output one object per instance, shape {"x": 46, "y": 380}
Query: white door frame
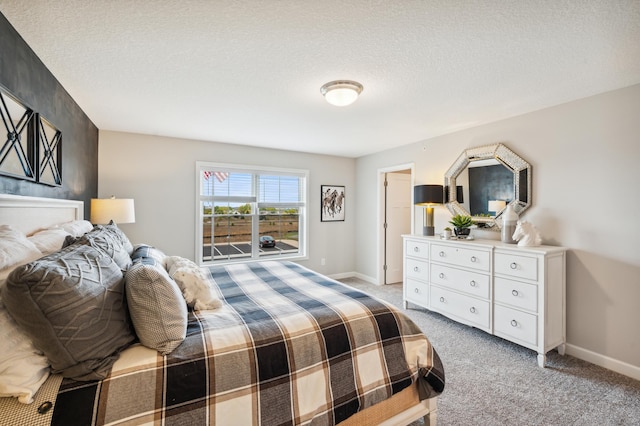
{"x": 380, "y": 215}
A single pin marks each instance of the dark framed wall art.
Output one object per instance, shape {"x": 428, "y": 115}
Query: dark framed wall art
{"x": 332, "y": 203}
{"x": 32, "y": 149}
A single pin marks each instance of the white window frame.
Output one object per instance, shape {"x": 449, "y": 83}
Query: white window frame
{"x": 303, "y": 232}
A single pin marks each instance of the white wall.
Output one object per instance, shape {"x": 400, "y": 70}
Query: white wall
{"x": 159, "y": 173}
{"x": 585, "y": 157}
{"x": 586, "y": 170}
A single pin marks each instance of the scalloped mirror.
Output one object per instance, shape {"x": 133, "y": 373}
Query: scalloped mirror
{"x": 484, "y": 180}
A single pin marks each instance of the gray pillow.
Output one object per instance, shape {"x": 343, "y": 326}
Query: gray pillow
{"x": 113, "y": 228}
{"x": 110, "y": 240}
{"x": 72, "y": 305}
{"x": 158, "y": 310}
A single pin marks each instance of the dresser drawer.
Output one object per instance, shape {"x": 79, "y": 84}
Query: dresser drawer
{"x": 473, "y": 283}
{"x": 470, "y": 309}
{"x": 515, "y": 293}
{"x": 417, "y": 269}
{"x": 416, "y": 292}
{"x": 417, "y": 249}
{"x": 515, "y": 324}
{"x": 516, "y": 265}
{"x": 469, "y": 258}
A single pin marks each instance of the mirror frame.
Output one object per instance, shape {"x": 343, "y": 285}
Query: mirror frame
{"x": 521, "y": 181}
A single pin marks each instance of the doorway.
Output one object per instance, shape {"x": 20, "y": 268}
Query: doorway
{"x": 395, "y": 220}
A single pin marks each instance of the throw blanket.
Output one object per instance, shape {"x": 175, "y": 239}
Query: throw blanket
{"x": 289, "y": 346}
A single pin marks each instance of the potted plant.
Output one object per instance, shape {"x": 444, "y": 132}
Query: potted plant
{"x": 447, "y": 233}
{"x": 461, "y": 224}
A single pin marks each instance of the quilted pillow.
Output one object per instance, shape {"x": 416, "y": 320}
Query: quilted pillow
{"x": 72, "y": 305}
{"x": 111, "y": 241}
{"x": 156, "y": 306}
{"x": 193, "y": 282}
{"x": 14, "y": 247}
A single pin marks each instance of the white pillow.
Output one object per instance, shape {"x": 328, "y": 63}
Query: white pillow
{"x": 77, "y": 228}
{"x": 15, "y": 247}
{"x": 49, "y": 240}
{"x": 23, "y": 369}
{"x": 193, "y": 283}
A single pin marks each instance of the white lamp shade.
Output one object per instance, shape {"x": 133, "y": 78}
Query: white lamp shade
{"x": 120, "y": 210}
{"x": 496, "y": 205}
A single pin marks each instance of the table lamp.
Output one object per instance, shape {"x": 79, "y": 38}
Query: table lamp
{"x": 428, "y": 196}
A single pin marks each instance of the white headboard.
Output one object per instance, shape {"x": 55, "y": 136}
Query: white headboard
{"x": 29, "y": 214}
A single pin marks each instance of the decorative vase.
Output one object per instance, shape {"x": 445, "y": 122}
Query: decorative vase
{"x": 509, "y": 223}
{"x": 462, "y": 232}
{"x": 446, "y": 234}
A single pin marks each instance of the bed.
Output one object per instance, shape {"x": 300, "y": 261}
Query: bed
{"x": 286, "y": 345}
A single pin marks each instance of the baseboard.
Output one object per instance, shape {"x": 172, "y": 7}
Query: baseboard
{"x": 353, "y": 274}
{"x": 604, "y": 361}
{"x": 366, "y": 278}
{"x": 342, "y": 275}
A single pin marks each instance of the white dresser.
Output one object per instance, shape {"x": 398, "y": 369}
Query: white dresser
{"x": 517, "y": 293}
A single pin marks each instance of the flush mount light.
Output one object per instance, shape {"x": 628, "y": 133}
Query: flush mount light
{"x": 341, "y": 92}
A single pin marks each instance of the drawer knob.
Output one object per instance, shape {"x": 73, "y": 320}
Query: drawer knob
{"x": 513, "y": 265}
{"x": 441, "y": 275}
{"x": 514, "y": 323}
{"x": 514, "y": 292}
{"x": 472, "y": 283}
{"x": 473, "y": 259}
{"x": 442, "y": 299}
{"x": 417, "y": 290}
{"x": 472, "y": 310}
{"x": 416, "y": 269}
{"x": 441, "y": 254}
{"x": 416, "y": 249}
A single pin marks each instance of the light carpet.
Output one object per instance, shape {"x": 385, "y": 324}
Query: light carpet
{"x": 490, "y": 381}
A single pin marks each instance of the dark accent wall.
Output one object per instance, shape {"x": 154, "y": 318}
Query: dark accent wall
{"x": 24, "y": 75}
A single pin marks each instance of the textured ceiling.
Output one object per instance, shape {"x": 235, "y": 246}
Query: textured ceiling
{"x": 249, "y": 72}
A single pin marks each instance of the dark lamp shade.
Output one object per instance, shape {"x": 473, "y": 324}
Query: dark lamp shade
{"x": 424, "y": 195}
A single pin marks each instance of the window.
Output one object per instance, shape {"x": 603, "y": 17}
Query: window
{"x": 247, "y": 213}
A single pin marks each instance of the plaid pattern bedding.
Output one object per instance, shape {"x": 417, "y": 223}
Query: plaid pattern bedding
{"x": 289, "y": 346}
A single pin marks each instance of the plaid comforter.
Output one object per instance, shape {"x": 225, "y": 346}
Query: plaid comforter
{"x": 289, "y": 346}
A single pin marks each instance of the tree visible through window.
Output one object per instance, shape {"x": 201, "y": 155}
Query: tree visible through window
{"x": 247, "y": 213}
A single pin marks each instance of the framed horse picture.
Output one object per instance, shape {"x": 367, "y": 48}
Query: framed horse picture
{"x": 332, "y": 202}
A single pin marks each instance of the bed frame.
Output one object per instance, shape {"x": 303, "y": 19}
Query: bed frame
{"x": 29, "y": 214}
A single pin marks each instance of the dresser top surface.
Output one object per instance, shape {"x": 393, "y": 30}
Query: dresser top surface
{"x": 488, "y": 244}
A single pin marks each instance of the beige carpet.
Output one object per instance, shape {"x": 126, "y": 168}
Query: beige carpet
{"x": 490, "y": 381}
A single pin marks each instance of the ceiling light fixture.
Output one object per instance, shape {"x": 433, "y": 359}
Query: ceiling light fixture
{"x": 341, "y": 92}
